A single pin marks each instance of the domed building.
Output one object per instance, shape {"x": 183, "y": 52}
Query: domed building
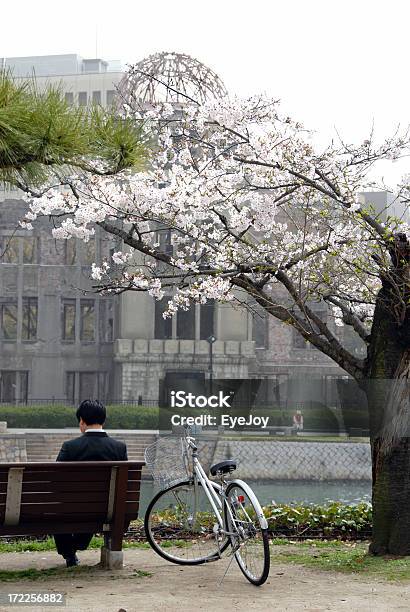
{"x": 169, "y": 77}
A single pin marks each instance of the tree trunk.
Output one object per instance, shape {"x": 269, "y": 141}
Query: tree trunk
{"x": 387, "y": 389}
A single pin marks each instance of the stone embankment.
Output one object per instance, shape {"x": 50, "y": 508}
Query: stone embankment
{"x": 257, "y": 459}
{"x": 282, "y": 460}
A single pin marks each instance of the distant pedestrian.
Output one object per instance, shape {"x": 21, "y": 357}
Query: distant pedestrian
{"x": 298, "y": 420}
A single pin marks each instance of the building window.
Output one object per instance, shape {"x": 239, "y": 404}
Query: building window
{"x": 106, "y": 320}
{"x": 29, "y": 326}
{"x": 207, "y": 319}
{"x": 260, "y": 328}
{"x": 110, "y": 97}
{"x": 13, "y": 386}
{"x": 195, "y": 323}
{"x": 9, "y": 320}
{"x": 11, "y": 249}
{"x": 89, "y": 252}
{"x": 29, "y": 250}
{"x": 70, "y": 387}
{"x": 278, "y": 390}
{"x": 82, "y": 98}
{"x": 87, "y": 317}
{"x": 68, "y": 320}
{"x": 69, "y": 97}
{"x": 186, "y": 323}
{"x": 164, "y": 238}
{"x": 93, "y": 385}
{"x": 163, "y": 327}
{"x": 96, "y": 97}
{"x": 86, "y": 385}
{"x": 70, "y": 251}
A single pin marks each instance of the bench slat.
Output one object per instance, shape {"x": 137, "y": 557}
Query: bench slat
{"x": 65, "y": 487}
{"x": 56, "y": 487}
{"x": 63, "y": 508}
{"x": 69, "y": 496}
{"x": 52, "y": 476}
{"x": 134, "y": 474}
{"x": 67, "y": 476}
{"x": 133, "y": 485}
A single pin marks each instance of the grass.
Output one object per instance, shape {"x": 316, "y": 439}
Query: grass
{"x": 48, "y": 544}
{"x": 96, "y": 542}
{"x": 57, "y": 572}
{"x": 141, "y": 574}
{"x": 346, "y": 557}
{"x": 330, "y": 555}
{"x": 42, "y": 574}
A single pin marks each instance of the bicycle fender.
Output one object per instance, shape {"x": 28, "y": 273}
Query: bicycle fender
{"x": 253, "y": 498}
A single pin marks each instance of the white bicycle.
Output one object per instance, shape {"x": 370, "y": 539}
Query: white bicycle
{"x": 193, "y": 519}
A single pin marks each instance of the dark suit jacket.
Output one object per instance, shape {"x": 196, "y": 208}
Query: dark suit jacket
{"x": 93, "y": 446}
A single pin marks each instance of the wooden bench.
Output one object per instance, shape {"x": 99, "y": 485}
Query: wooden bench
{"x": 71, "y": 497}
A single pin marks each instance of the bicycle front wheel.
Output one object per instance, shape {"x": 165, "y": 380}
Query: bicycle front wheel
{"x": 181, "y": 526}
{"x": 249, "y": 533}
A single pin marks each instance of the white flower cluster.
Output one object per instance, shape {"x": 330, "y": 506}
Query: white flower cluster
{"x": 244, "y": 194}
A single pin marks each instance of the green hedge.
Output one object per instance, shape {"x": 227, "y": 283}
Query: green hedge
{"x": 58, "y": 416}
{"x": 142, "y": 417}
{"x": 333, "y": 520}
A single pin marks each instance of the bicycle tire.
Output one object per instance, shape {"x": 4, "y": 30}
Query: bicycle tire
{"x": 180, "y": 554}
{"x": 251, "y": 539}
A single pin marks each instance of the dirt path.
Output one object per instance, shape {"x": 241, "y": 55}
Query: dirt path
{"x": 172, "y": 588}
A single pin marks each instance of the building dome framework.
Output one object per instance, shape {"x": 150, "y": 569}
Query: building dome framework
{"x": 170, "y": 77}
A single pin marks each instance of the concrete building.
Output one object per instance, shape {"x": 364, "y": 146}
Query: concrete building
{"x": 83, "y": 81}
{"x": 56, "y": 336}
{"x": 61, "y": 341}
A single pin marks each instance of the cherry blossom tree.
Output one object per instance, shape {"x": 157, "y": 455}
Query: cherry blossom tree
{"x": 255, "y": 214}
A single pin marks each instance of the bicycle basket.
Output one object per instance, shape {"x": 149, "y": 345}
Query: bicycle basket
{"x": 167, "y": 461}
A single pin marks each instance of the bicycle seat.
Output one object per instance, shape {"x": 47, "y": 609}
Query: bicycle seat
{"x": 224, "y": 467}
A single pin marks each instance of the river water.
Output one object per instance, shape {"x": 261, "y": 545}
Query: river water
{"x": 292, "y": 491}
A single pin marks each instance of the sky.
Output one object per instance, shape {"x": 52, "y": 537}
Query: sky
{"x": 336, "y": 65}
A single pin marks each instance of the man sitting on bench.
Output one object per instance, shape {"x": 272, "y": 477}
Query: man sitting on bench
{"x": 93, "y": 445}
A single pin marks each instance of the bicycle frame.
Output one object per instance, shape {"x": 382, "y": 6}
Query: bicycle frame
{"x": 216, "y": 499}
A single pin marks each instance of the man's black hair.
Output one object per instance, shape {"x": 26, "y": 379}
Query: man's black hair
{"x": 92, "y": 412}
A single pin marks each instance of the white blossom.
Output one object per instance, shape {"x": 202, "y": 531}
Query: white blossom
{"x": 245, "y": 196}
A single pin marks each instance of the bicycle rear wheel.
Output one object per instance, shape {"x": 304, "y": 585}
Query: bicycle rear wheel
{"x": 181, "y": 526}
{"x": 249, "y": 539}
